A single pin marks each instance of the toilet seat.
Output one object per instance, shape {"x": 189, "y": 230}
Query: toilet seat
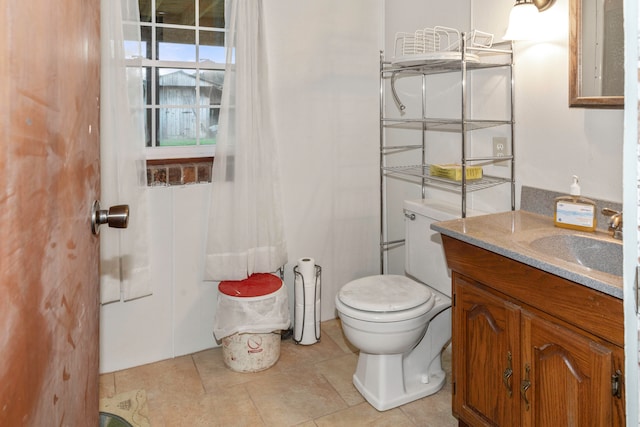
{"x": 384, "y": 298}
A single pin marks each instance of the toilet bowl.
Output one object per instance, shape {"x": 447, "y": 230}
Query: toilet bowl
{"x": 399, "y": 359}
{"x": 400, "y": 324}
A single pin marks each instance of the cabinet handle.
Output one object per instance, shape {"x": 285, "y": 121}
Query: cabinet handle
{"x": 506, "y": 375}
{"x": 616, "y": 384}
{"x": 526, "y": 383}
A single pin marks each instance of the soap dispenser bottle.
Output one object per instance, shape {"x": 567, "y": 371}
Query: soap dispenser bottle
{"x": 574, "y": 211}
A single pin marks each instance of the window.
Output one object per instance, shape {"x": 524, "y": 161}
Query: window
{"x": 184, "y": 60}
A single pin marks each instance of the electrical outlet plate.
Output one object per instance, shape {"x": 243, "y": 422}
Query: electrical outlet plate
{"x": 500, "y": 149}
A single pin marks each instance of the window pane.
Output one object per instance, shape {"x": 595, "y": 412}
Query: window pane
{"x": 176, "y": 126}
{"x": 212, "y": 46}
{"x": 176, "y": 12}
{"x": 145, "y": 10}
{"x": 211, "y": 87}
{"x": 132, "y": 47}
{"x": 176, "y": 45}
{"x": 147, "y": 128}
{"x": 209, "y": 125}
{"x": 146, "y": 86}
{"x": 176, "y": 86}
{"x": 212, "y": 13}
{"x": 145, "y": 38}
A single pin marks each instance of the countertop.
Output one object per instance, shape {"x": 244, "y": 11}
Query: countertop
{"x": 508, "y": 234}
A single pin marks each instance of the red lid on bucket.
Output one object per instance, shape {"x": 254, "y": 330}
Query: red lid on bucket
{"x": 256, "y": 285}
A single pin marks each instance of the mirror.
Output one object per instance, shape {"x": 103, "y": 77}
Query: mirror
{"x": 596, "y": 54}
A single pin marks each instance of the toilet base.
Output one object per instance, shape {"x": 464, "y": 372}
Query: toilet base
{"x": 390, "y": 380}
{"x": 389, "y": 389}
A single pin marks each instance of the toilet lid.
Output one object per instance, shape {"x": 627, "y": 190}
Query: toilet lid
{"x": 384, "y": 293}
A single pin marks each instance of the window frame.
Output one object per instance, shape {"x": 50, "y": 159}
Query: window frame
{"x": 151, "y": 66}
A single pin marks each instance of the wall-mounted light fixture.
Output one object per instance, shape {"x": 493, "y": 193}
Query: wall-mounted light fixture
{"x": 523, "y": 19}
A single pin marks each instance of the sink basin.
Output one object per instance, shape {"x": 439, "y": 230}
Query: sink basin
{"x": 594, "y": 253}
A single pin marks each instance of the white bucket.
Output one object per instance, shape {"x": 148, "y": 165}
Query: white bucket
{"x": 249, "y": 352}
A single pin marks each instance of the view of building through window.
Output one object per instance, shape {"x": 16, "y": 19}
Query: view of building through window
{"x": 183, "y": 61}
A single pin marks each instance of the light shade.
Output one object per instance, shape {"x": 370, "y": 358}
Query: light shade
{"x": 523, "y": 22}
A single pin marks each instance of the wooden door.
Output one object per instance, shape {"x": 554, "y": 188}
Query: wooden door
{"x": 485, "y": 356}
{"x": 570, "y": 376}
{"x": 49, "y": 176}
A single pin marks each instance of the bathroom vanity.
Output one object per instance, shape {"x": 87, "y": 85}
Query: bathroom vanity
{"x": 537, "y": 339}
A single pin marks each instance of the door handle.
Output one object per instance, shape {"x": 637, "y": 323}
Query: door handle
{"x": 526, "y": 384}
{"x": 506, "y": 375}
{"x": 116, "y": 217}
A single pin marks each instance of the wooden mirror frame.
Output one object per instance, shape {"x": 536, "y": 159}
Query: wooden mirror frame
{"x": 575, "y": 50}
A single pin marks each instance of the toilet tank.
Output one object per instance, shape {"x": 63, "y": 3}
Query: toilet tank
{"x": 424, "y": 254}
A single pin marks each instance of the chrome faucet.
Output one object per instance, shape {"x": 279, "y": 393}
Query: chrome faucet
{"x": 615, "y": 222}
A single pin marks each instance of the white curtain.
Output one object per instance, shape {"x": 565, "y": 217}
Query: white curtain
{"x": 245, "y": 230}
{"x": 124, "y": 260}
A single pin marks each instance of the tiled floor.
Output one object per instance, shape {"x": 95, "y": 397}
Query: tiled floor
{"x": 308, "y": 386}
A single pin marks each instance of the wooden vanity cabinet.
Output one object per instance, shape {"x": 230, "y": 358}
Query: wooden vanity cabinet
{"x": 485, "y": 351}
{"x": 519, "y": 359}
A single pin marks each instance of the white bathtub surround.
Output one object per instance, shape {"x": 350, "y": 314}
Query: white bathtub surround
{"x": 124, "y": 254}
{"x": 246, "y": 227}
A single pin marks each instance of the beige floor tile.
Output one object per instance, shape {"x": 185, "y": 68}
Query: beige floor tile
{"x": 171, "y": 378}
{"x": 339, "y": 372}
{"x": 292, "y": 354}
{"x": 107, "y": 385}
{"x": 233, "y": 407}
{"x": 169, "y": 382}
{"x": 446, "y": 359}
{"x": 309, "y": 386}
{"x": 294, "y": 397}
{"x": 217, "y": 376}
{"x": 432, "y": 411}
{"x": 365, "y": 415}
{"x": 333, "y": 328}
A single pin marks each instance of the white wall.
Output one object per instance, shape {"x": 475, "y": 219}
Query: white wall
{"x": 177, "y": 319}
{"x": 324, "y": 73}
{"x": 555, "y": 141}
{"x": 324, "y": 61}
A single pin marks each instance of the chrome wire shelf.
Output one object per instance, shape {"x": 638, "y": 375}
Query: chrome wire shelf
{"x": 499, "y": 55}
{"x": 422, "y": 172}
{"x": 442, "y": 66}
{"x": 442, "y": 125}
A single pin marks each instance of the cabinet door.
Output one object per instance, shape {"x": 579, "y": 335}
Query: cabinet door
{"x": 569, "y": 376}
{"x": 486, "y": 356}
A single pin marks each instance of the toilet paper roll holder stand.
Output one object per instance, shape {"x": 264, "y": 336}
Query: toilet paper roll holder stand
{"x": 317, "y": 294}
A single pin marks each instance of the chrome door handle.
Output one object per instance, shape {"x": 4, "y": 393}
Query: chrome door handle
{"x": 116, "y": 217}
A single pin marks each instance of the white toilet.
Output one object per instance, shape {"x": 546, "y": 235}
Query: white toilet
{"x": 399, "y": 324}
